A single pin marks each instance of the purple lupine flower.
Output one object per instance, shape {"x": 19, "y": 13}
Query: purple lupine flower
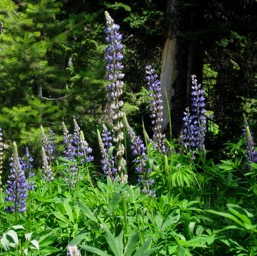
{"x": 46, "y": 168}
{"x": 84, "y": 150}
{"x": 156, "y": 107}
{"x": 194, "y": 127}
{"x": 27, "y": 166}
{"x": 48, "y": 143}
{"x": 198, "y": 111}
{"x": 1, "y": 157}
{"x": 69, "y": 149}
{"x": 139, "y": 150}
{"x": 251, "y": 154}
{"x": 113, "y": 57}
{"x": 16, "y": 185}
{"x": 107, "y": 161}
{"x": 188, "y": 131}
{"x": 76, "y": 150}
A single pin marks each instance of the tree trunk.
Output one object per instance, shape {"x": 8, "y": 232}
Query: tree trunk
{"x": 180, "y": 59}
{"x": 174, "y": 69}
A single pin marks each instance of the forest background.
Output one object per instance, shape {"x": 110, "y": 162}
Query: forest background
{"x": 52, "y": 66}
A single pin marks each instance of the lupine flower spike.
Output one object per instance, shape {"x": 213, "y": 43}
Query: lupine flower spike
{"x": 105, "y": 143}
{"x": 251, "y": 154}
{"x": 16, "y": 186}
{"x": 76, "y": 150}
{"x": 46, "y": 168}
{"x": 48, "y": 145}
{"x": 27, "y": 166}
{"x": 139, "y": 151}
{"x": 195, "y": 122}
{"x": 1, "y": 157}
{"x": 156, "y": 107}
{"x": 113, "y": 57}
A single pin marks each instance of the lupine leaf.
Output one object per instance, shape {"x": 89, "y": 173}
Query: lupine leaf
{"x": 227, "y": 215}
{"x": 111, "y": 240}
{"x": 68, "y": 209}
{"x": 94, "y": 250}
{"x": 77, "y": 240}
{"x": 131, "y": 244}
{"x": 87, "y": 211}
{"x": 143, "y": 248}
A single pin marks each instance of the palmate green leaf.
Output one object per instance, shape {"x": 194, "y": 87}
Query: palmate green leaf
{"x": 227, "y": 215}
{"x": 47, "y": 239}
{"x": 131, "y": 244}
{"x": 69, "y": 211}
{"x": 115, "y": 243}
{"x": 94, "y": 250}
{"x": 62, "y": 218}
{"x": 86, "y": 211}
{"x": 77, "y": 240}
{"x": 48, "y": 250}
{"x": 241, "y": 213}
{"x": 142, "y": 251}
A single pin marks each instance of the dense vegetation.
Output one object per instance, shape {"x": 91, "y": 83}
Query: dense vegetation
{"x": 86, "y": 167}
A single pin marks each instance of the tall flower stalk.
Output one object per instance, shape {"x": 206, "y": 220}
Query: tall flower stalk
{"x": 107, "y": 161}
{"x": 195, "y": 121}
{"x": 1, "y": 158}
{"x": 16, "y": 185}
{"x": 251, "y": 154}
{"x": 27, "y": 166}
{"x": 139, "y": 151}
{"x": 114, "y": 67}
{"x": 156, "y": 107}
{"x": 46, "y": 167}
{"x": 48, "y": 143}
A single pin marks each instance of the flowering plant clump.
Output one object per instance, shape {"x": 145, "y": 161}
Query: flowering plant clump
{"x": 16, "y": 185}
{"x": 107, "y": 161}
{"x": 113, "y": 57}
{"x": 156, "y": 107}
{"x": 195, "y": 122}
{"x": 76, "y": 150}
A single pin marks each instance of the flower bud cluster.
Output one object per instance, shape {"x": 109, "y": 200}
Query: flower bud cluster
{"x": 107, "y": 161}
{"x": 114, "y": 67}
{"x": 194, "y": 127}
{"x": 16, "y": 185}
{"x": 156, "y": 107}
